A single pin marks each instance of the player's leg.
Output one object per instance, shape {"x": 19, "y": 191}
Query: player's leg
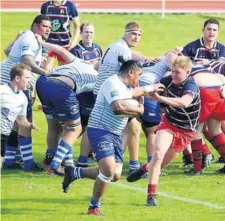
{"x": 133, "y": 140}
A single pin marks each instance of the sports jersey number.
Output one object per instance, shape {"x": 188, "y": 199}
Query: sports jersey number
{"x": 105, "y": 55}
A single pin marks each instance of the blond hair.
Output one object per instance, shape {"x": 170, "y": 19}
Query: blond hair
{"x": 183, "y": 62}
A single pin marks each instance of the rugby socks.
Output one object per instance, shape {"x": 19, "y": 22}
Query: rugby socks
{"x": 151, "y": 190}
{"x": 10, "y": 153}
{"x": 77, "y": 173}
{"x": 94, "y": 203}
{"x": 208, "y": 135}
{"x": 50, "y": 152}
{"x": 219, "y": 144}
{"x": 26, "y": 151}
{"x": 82, "y": 161}
{"x": 149, "y": 159}
{"x": 11, "y": 149}
{"x": 69, "y": 158}
{"x": 196, "y": 146}
{"x": 133, "y": 165}
{"x": 60, "y": 154}
{"x": 144, "y": 167}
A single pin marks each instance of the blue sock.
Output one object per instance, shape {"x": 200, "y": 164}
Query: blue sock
{"x": 69, "y": 158}
{"x": 26, "y": 151}
{"x": 60, "y": 154}
{"x": 134, "y": 165}
{"x": 77, "y": 173}
{"x": 82, "y": 160}
{"x": 94, "y": 203}
{"x": 10, "y": 153}
{"x": 18, "y": 156}
{"x": 149, "y": 158}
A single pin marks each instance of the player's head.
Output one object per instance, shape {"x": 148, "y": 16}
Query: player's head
{"x": 42, "y": 26}
{"x": 20, "y": 75}
{"x": 132, "y": 34}
{"x": 87, "y": 32}
{"x": 210, "y": 30}
{"x": 131, "y": 71}
{"x": 181, "y": 69}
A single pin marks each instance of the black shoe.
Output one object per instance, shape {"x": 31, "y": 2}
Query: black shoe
{"x": 150, "y": 201}
{"x": 14, "y": 166}
{"x": 35, "y": 168}
{"x": 67, "y": 179}
{"x": 135, "y": 175}
{"x": 222, "y": 170}
{"x": 207, "y": 160}
{"x": 187, "y": 163}
{"x": 220, "y": 160}
{"x": 192, "y": 173}
{"x": 47, "y": 160}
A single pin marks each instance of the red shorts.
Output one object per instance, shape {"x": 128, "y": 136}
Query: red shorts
{"x": 52, "y": 54}
{"x": 212, "y": 105}
{"x": 181, "y": 137}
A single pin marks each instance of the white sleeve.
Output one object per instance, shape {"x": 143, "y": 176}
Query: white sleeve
{"x": 112, "y": 92}
{"x": 28, "y": 47}
{"x": 125, "y": 53}
{"x": 23, "y": 111}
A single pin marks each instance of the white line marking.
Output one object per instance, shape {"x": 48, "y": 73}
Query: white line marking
{"x": 187, "y": 200}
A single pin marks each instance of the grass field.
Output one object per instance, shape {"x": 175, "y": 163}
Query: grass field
{"x": 38, "y": 197}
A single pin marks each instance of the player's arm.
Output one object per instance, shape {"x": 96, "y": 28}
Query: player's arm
{"x": 76, "y": 28}
{"x": 28, "y": 59}
{"x": 9, "y": 46}
{"x": 23, "y": 122}
{"x": 66, "y": 55}
{"x": 121, "y": 107}
{"x": 138, "y": 56}
{"x": 180, "y": 102}
{"x": 145, "y": 90}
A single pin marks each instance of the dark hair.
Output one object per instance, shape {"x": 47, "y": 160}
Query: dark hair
{"x": 18, "y": 70}
{"x": 211, "y": 21}
{"x": 38, "y": 19}
{"x": 85, "y": 24}
{"x": 129, "y": 65}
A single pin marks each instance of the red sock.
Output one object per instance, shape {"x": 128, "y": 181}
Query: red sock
{"x": 196, "y": 146}
{"x": 151, "y": 190}
{"x": 219, "y": 144}
{"x": 208, "y": 135}
{"x": 191, "y": 156}
{"x": 144, "y": 167}
{"x": 205, "y": 149}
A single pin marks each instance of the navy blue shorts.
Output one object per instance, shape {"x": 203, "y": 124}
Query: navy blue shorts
{"x": 58, "y": 99}
{"x": 30, "y": 102}
{"x": 152, "y": 112}
{"x": 86, "y": 103}
{"x": 105, "y": 144}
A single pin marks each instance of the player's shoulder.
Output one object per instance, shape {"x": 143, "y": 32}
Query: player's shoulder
{"x": 69, "y": 4}
{"x": 195, "y": 43}
{"x": 220, "y": 45}
{"x": 46, "y": 4}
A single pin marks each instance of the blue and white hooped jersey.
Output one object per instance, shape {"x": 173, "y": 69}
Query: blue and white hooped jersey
{"x": 60, "y": 21}
{"x": 155, "y": 73}
{"x": 92, "y": 53}
{"x": 102, "y": 115}
{"x": 81, "y": 72}
{"x": 196, "y": 50}
{"x": 25, "y": 45}
{"x": 110, "y": 63}
{"x": 12, "y": 105}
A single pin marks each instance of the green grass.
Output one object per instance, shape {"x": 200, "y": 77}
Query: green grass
{"x": 39, "y": 197}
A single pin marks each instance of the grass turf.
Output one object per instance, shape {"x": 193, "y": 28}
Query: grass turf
{"x": 34, "y": 197}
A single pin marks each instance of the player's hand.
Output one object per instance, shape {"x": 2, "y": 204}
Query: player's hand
{"x": 178, "y": 50}
{"x": 34, "y": 127}
{"x": 39, "y": 38}
{"x": 140, "y": 100}
{"x": 159, "y": 87}
{"x": 222, "y": 91}
{"x": 154, "y": 96}
{"x": 203, "y": 61}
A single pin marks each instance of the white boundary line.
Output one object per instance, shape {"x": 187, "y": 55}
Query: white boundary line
{"x": 187, "y": 200}
{"x": 122, "y": 11}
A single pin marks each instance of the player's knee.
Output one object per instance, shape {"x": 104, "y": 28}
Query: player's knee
{"x": 158, "y": 156}
{"x": 106, "y": 177}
